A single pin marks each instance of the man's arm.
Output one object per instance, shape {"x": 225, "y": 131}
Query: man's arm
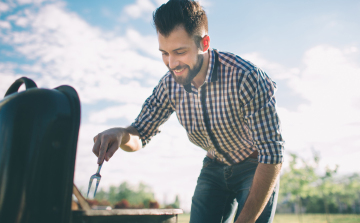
{"x": 264, "y": 181}
{"x": 257, "y": 94}
{"x": 106, "y": 143}
{"x": 155, "y": 111}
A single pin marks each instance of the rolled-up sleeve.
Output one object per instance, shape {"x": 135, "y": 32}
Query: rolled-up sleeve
{"x": 257, "y": 96}
{"x": 155, "y": 111}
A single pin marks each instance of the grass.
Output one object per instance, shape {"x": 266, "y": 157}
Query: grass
{"x": 293, "y": 218}
{"x": 316, "y": 218}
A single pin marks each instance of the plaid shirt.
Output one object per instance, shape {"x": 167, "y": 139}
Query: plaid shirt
{"x": 231, "y": 115}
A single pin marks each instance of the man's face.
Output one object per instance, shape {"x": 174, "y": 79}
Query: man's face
{"x": 181, "y": 55}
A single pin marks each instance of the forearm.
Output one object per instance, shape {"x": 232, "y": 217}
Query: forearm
{"x": 131, "y": 140}
{"x": 264, "y": 181}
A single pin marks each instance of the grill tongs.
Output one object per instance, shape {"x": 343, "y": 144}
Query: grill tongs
{"x": 96, "y": 176}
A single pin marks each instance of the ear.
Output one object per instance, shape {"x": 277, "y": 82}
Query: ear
{"x": 205, "y": 43}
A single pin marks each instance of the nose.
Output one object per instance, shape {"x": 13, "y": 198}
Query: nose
{"x": 173, "y": 62}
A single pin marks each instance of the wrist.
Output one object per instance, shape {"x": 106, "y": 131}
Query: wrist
{"x": 130, "y": 139}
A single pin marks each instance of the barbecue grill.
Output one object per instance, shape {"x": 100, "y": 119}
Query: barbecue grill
{"x": 38, "y": 140}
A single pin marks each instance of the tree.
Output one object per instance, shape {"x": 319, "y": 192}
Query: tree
{"x": 124, "y": 191}
{"x": 101, "y": 195}
{"x": 327, "y": 189}
{"x": 349, "y": 194}
{"x": 112, "y": 195}
{"x": 140, "y": 196}
{"x": 176, "y": 203}
{"x": 126, "y": 195}
{"x": 302, "y": 186}
{"x": 296, "y": 182}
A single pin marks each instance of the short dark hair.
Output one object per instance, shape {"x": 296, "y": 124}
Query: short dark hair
{"x": 180, "y": 12}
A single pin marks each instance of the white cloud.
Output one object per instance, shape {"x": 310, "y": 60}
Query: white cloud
{"x": 160, "y": 2}
{"x": 277, "y": 71}
{"x": 37, "y": 2}
{"x": 70, "y": 51}
{"x": 204, "y": 3}
{"x": 22, "y": 22}
{"x": 5, "y": 25}
{"x": 330, "y": 70}
{"x": 7, "y": 76}
{"x": 148, "y": 44}
{"x": 141, "y": 9}
{"x": 329, "y": 82}
{"x": 144, "y": 8}
{"x": 4, "y": 7}
{"x": 128, "y": 111}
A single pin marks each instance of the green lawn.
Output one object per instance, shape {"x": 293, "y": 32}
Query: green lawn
{"x": 306, "y": 218}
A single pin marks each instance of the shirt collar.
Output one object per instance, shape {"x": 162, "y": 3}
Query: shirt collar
{"x": 212, "y": 72}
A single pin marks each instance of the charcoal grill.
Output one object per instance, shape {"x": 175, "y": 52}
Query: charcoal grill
{"x": 38, "y": 141}
{"x": 87, "y": 215}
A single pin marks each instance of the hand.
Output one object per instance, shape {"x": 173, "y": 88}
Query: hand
{"x": 107, "y": 143}
{"x": 265, "y": 179}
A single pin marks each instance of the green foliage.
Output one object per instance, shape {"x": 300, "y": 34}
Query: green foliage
{"x": 176, "y": 203}
{"x": 297, "y": 182}
{"x": 302, "y": 186}
{"x": 316, "y": 205}
{"x": 101, "y": 195}
{"x": 137, "y": 196}
{"x": 350, "y": 190}
{"x": 316, "y": 218}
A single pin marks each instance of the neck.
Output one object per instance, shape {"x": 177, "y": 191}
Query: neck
{"x": 200, "y": 77}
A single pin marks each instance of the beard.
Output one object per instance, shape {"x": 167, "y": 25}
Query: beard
{"x": 191, "y": 72}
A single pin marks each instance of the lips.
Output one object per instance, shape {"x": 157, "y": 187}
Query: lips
{"x": 179, "y": 71}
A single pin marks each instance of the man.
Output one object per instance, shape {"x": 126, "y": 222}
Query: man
{"x": 227, "y": 106}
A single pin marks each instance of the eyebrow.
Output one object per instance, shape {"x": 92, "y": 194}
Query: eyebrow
{"x": 180, "y": 48}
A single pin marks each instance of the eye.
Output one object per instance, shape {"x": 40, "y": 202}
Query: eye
{"x": 179, "y": 53}
{"x": 165, "y": 54}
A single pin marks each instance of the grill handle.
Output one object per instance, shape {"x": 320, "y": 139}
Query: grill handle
{"x": 16, "y": 85}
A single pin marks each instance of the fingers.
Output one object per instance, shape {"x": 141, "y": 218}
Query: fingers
{"x": 111, "y": 151}
{"x": 104, "y": 144}
{"x": 96, "y": 146}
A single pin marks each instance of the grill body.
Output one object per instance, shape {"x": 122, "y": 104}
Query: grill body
{"x": 38, "y": 139}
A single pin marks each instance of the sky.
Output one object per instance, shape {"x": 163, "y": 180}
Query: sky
{"x": 108, "y": 51}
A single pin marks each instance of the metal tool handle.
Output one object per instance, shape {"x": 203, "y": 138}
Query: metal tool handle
{"x": 99, "y": 168}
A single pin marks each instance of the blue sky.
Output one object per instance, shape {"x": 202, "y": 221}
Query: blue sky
{"x": 108, "y": 51}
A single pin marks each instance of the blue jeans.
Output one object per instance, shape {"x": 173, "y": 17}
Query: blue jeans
{"x": 222, "y": 190}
